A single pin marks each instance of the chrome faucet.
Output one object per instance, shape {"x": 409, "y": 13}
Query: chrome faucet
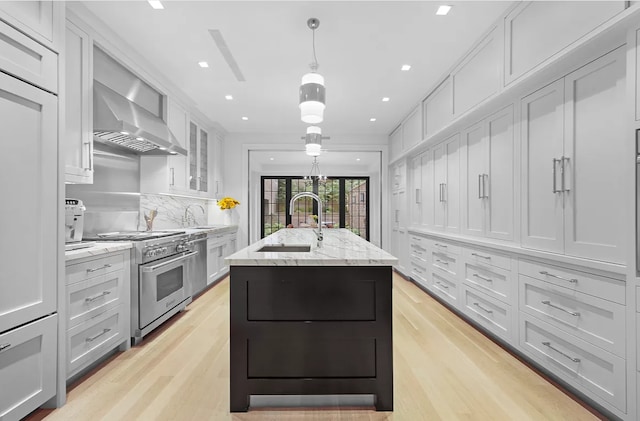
{"x": 317, "y": 198}
{"x": 187, "y": 211}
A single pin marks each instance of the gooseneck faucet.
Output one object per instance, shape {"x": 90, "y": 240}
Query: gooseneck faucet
{"x": 188, "y": 211}
{"x": 317, "y": 199}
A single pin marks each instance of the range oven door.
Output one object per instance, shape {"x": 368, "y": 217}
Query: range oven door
{"x": 163, "y": 284}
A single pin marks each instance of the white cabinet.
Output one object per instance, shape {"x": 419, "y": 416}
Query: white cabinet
{"x": 415, "y": 206}
{"x": 446, "y": 158}
{"x": 572, "y": 129}
{"x": 30, "y": 158}
{"x": 38, "y": 18}
{"x": 395, "y": 143}
{"x": 219, "y": 246}
{"x": 78, "y": 137}
{"x": 527, "y": 45}
{"x": 438, "y": 108}
{"x": 98, "y": 308}
{"x": 27, "y": 367}
{"x": 412, "y": 129}
{"x": 487, "y": 162}
{"x": 198, "y": 169}
{"x": 399, "y": 209}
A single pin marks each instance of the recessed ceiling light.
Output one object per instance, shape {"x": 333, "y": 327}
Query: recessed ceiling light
{"x": 173, "y": 153}
{"x": 271, "y": 159}
{"x": 228, "y": 97}
{"x": 125, "y": 133}
{"x": 245, "y": 118}
{"x": 203, "y": 64}
{"x": 372, "y": 119}
{"x": 162, "y": 148}
{"x": 443, "y": 10}
{"x": 156, "y": 4}
{"x": 140, "y": 138}
{"x": 357, "y": 159}
{"x": 385, "y": 99}
{"x": 405, "y": 67}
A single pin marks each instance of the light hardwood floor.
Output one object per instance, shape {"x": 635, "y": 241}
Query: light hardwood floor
{"x": 443, "y": 370}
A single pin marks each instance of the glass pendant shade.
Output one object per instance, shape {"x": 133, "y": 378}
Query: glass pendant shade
{"x": 312, "y": 98}
{"x": 313, "y": 141}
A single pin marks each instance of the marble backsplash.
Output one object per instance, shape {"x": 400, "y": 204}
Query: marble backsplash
{"x": 174, "y": 211}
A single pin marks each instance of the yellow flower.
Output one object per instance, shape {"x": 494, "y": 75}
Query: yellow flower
{"x": 227, "y": 203}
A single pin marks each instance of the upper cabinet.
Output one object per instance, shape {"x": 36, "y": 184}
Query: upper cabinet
{"x": 578, "y": 125}
{"x": 412, "y": 129}
{"x": 526, "y": 45}
{"x": 395, "y": 143}
{"x": 438, "y": 108}
{"x": 42, "y": 19}
{"x": 477, "y": 77}
{"x": 78, "y": 135}
{"x": 198, "y": 159}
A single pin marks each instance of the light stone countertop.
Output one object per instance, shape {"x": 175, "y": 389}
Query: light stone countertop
{"x": 340, "y": 247}
{"x": 209, "y": 229}
{"x": 97, "y": 250}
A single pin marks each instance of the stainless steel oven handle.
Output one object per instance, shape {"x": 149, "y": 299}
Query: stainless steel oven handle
{"x": 177, "y": 259}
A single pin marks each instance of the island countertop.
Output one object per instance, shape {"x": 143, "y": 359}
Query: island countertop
{"x": 340, "y": 247}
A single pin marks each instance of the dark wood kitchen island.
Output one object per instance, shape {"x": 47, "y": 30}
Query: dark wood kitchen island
{"x": 311, "y": 323}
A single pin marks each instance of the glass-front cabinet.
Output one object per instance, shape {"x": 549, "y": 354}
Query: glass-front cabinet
{"x": 198, "y": 158}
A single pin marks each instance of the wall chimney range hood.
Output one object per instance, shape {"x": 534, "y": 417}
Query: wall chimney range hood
{"x": 119, "y": 122}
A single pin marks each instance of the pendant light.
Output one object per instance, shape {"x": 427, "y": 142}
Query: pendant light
{"x": 315, "y": 174}
{"x": 313, "y": 141}
{"x": 312, "y": 91}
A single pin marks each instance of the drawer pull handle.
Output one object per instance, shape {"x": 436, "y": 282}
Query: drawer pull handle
{"x": 93, "y": 338}
{"x": 548, "y": 344}
{"x": 4, "y": 346}
{"x": 550, "y": 304}
{"x": 483, "y": 309}
{"x": 544, "y": 272}
{"x": 483, "y": 278}
{"x": 95, "y": 297}
{"x": 442, "y": 285}
{"x": 481, "y": 256}
{"x": 101, "y": 267}
{"x": 442, "y": 261}
{"x": 441, "y": 245}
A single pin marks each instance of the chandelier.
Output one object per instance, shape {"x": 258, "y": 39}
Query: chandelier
{"x": 315, "y": 174}
{"x": 312, "y": 91}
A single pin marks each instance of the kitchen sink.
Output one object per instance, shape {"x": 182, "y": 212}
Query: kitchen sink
{"x": 205, "y": 227}
{"x": 286, "y": 248}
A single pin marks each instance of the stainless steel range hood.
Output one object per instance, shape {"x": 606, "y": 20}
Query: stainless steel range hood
{"x": 124, "y": 124}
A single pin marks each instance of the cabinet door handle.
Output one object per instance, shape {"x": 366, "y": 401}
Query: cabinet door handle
{"x": 481, "y": 256}
{"x": 87, "y": 147}
{"x": 442, "y": 261}
{"x": 397, "y": 215}
{"x": 94, "y": 337}
{"x": 485, "y": 177}
{"x": 573, "y": 280}
{"x": 444, "y": 192}
{"x": 418, "y": 196}
{"x": 95, "y": 297}
{"x": 563, "y": 171}
{"x": 550, "y": 304}
{"x": 483, "y": 308}
{"x": 548, "y": 344}
{"x": 480, "y": 196}
{"x": 442, "y": 285}
{"x": 444, "y": 246}
{"x": 101, "y": 267}
{"x": 173, "y": 176}
{"x": 4, "y": 346}
{"x": 482, "y": 277}
{"x": 555, "y": 187}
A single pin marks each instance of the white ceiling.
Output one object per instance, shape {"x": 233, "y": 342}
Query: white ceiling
{"x": 330, "y": 162}
{"x": 360, "y": 47}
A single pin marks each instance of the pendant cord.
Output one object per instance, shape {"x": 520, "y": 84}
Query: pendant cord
{"x": 314, "y": 65}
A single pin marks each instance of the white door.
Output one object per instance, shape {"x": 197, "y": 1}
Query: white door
{"x": 452, "y": 186}
{"x": 28, "y": 168}
{"x": 595, "y": 159}
{"x": 542, "y": 137}
{"x": 428, "y": 198}
{"x": 439, "y": 185}
{"x": 474, "y": 157}
{"x": 416, "y": 191}
{"x": 498, "y": 181}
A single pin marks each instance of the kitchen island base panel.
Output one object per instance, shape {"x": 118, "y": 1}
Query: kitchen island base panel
{"x": 304, "y": 349}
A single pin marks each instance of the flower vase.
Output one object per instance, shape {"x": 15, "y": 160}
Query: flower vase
{"x": 227, "y": 217}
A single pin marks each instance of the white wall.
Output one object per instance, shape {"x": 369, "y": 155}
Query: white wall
{"x": 242, "y": 182}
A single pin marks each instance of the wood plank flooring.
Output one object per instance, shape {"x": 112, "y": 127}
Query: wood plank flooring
{"x": 443, "y": 370}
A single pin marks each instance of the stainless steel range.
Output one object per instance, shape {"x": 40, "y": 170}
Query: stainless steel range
{"x": 159, "y": 276}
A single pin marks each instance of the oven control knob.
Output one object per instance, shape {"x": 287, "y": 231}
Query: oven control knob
{"x": 164, "y": 250}
{"x": 181, "y": 247}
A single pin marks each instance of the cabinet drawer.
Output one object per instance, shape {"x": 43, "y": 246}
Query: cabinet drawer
{"x": 418, "y": 250}
{"x": 483, "y": 257}
{"x": 27, "y": 367}
{"x": 445, "y": 262}
{"x": 92, "y": 268}
{"x": 90, "y": 340}
{"x": 419, "y": 272}
{"x": 445, "y": 288}
{"x": 494, "y": 281}
{"x": 26, "y": 59}
{"x": 493, "y": 315}
{"x": 446, "y": 247}
{"x": 593, "y": 319}
{"x": 596, "y": 285}
{"x": 87, "y": 299}
{"x": 596, "y": 372}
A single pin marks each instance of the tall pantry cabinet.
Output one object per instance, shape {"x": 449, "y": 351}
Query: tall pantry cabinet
{"x": 29, "y": 168}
